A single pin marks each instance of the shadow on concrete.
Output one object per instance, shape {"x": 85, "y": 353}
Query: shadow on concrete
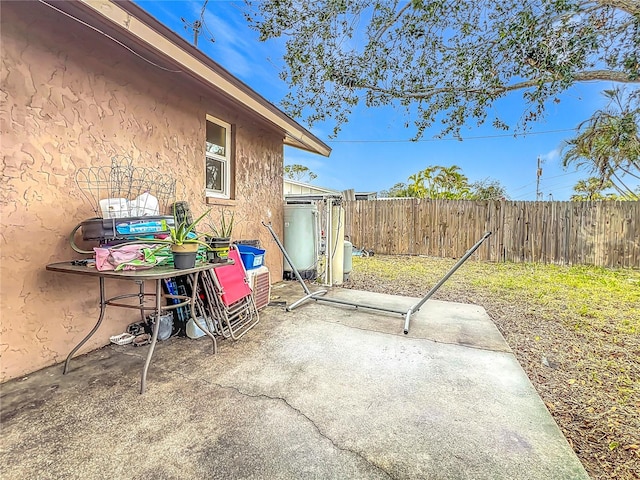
{"x": 320, "y": 392}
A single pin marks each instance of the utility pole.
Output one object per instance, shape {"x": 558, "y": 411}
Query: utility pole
{"x": 196, "y": 25}
{"x": 538, "y": 175}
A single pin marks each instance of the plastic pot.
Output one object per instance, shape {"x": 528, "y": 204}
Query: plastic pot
{"x": 218, "y": 250}
{"x": 184, "y": 260}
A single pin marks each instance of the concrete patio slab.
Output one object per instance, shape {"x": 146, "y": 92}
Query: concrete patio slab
{"x": 320, "y": 392}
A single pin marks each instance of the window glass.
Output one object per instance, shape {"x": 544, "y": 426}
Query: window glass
{"x": 216, "y": 139}
{"x": 215, "y": 174}
{"x": 218, "y": 165}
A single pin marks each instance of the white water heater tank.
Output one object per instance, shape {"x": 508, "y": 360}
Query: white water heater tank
{"x": 301, "y": 239}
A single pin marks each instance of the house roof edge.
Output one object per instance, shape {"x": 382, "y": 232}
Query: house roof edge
{"x": 137, "y": 23}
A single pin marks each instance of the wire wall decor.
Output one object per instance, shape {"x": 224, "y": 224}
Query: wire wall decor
{"x": 124, "y": 190}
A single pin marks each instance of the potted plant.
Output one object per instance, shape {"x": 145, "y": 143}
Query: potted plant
{"x": 219, "y": 239}
{"x": 183, "y": 241}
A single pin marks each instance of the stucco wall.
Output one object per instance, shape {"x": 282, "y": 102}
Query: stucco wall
{"x": 73, "y": 98}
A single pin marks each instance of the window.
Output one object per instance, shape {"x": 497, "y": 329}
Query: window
{"x": 218, "y": 159}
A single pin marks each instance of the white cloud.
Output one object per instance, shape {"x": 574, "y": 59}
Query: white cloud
{"x": 226, "y": 32}
{"x": 234, "y": 61}
{"x": 236, "y": 47}
{"x": 551, "y": 156}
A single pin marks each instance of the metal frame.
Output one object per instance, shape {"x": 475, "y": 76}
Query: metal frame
{"x": 229, "y": 320}
{"x": 139, "y": 276}
{"x": 406, "y": 314}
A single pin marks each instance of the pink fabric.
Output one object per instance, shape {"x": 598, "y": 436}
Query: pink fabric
{"x": 232, "y": 279}
{"x": 111, "y": 258}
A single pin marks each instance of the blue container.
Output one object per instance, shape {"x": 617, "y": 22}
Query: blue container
{"x": 251, "y": 257}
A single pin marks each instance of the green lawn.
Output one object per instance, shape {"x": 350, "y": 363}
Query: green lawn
{"x": 574, "y": 329}
{"x": 583, "y": 297}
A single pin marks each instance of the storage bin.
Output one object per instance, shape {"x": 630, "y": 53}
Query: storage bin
{"x": 104, "y": 229}
{"x": 251, "y": 257}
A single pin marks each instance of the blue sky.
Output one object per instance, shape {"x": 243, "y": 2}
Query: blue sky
{"x": 359, "y": 159}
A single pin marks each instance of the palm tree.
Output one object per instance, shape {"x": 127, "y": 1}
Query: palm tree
{"x": 429, "y": 178}
{"x": 608, "y": 143}
{"x": 452, "y": 184}
{"x": 416, "y": 185}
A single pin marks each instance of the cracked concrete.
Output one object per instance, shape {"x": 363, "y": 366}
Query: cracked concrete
{"x": 306, "y": 417}
{"x": 320, "y": 392}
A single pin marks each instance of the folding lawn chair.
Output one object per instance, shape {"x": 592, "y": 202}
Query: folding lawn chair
{"x": 228, "y": 297}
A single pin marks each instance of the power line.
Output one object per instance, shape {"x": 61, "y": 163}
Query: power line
{"x": 546, "y": 178}
{"x": 550, "y": 188}
{"x": 523, "y": 195}
{"x": 523, "y": 186}
{"x": 551, "y": 191}
{"x": 197, "y": 25}
{"x": 558, "y": 186}
{"x": 480, "y": 137}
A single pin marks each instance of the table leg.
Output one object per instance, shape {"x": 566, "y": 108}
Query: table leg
{"x": 103, "y": 306}
{"x": 154, "y": 336}
{"x": 141, "y": 299}
{"x": 194, "y": 292}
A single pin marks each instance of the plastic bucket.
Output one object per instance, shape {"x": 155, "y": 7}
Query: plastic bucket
{"x": 166, "y": 324}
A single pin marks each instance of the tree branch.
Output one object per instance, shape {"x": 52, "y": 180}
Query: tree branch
{"x": 632, "y": 7}
{"x": 390, "y": 23}
{"x": 586, "y": 76}
{"x": 628, "y": 191}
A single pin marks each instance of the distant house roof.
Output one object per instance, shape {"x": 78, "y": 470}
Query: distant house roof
{"x": 131, "y": 26}
{"x": 366, "y": 195}
{"x": 293, "y": 187}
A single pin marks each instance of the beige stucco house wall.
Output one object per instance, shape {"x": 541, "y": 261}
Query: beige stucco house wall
{"x": 72, "y": 96}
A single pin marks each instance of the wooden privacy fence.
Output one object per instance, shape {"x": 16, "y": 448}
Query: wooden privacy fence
{"x": 606, "y": 234}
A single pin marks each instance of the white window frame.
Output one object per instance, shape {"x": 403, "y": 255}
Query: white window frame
{"x": 224, "y": 159}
